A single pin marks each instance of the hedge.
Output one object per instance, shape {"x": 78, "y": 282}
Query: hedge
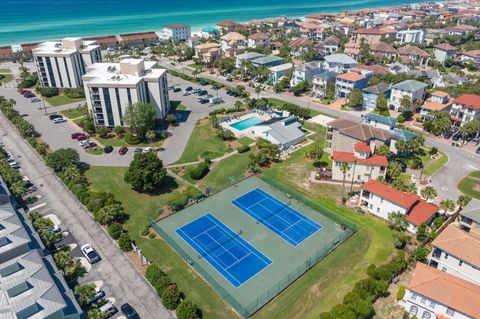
{"x": 132, "y": 139}
{"x": 199, "y": 171}
{"x": 401, "y": 292}
{"x": 243, "y": 149}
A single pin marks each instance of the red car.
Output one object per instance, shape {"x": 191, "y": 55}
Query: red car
{"x": 82, "y": 137}
{"x": 74, "y": 136}
{"x": 123, "y": 150}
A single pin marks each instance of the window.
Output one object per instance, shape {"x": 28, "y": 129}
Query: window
{"x": 414, "y": 296}
{"x": 10, "y": 270}
{"x": 378, "y": 209}
{"x": 432, "y": 304}
{"x": 29, "y": 311}
{"x": 108, "y": 106}
{"x": 381, "y": 200}
{"x": 450, "y": 311}
{"x": 18, "y": 289}
{"x": 446, "y": 256}
{"x": 460, "y": 263}
{"x": 423, "y": 300}
{"x": 426, "y": 315}
{"x": 444, "y": 269}
{"x": 413, "y": 310}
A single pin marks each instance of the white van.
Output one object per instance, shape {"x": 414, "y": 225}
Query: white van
{"x": 108, "y": 309}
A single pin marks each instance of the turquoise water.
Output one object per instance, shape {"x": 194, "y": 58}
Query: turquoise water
{"x": 246, "y": 123}
{"x": 36, "y": 20}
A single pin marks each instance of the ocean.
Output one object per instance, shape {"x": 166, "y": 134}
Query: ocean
{"x": 30, "y": 21}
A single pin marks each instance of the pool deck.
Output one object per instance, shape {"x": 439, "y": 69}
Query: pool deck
{"x": 227, "y": 125}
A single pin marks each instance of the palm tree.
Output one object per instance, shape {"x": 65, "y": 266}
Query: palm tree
{"x": 429, "y": 193}
{"x": 463, "y": 200}
{"x": 344, "y": 167}
{"x": 394, "y": 169}
{"x": 447, "y": 205}
{"x": 238, "y": 105}
{"x": 353, "y": 175}
{"x": 84, "y": 293}
{"x": 258, "y": 89}
{"x": 150, "y": 135}
{"x": 315, "y": 153}
{"x": 396, "y": 221}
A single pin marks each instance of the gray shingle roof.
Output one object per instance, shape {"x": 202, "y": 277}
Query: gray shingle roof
{"x": 410, "y": 86}
{"x": 378, "y": 88}
{"x": 472, "y": 210}
{"x": 340, "y": 58}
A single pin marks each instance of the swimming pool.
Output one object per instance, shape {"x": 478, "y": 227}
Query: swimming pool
{"x": 246, "y": 123}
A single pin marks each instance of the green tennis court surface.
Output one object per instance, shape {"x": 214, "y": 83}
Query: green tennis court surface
{"x": 288, "y": 260}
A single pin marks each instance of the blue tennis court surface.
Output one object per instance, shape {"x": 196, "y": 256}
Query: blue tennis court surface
{"x": 283, "y": 220}
{"x": 225, "y": 250}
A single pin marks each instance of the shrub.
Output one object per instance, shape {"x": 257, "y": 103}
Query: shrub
{"x": 146, "y": 230}
{"x": 132, "y": 139}
{"x": 125, "y": 242}
{"x": 161, "y": 284}
{"x": 115, "y": 230}
{"x": 153, "y": 273}
{"x": 199, "y": 171}
{"x": 401, "y": 292}
{"x": 421, "y": 253}
{"x": 75, "y": 93}
{"x": 47, "y": 91}
{"x": 225, "y": 135}
{"x": 178, "y": 204}
{"x": 171, "y": 297}
{"x": 243, "y": 149}
{"x": 187, "y": 310}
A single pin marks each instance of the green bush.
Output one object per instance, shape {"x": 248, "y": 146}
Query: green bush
{"x": 115, "y": 230}
{"x": 179, "y": 204}
{"x": 75, "y": 93}
{"x": 199, "y": 171}
{"x": 401, "y": 292}
{"x": 132, "y": 139}
{"x": 125, "y": 242}
{"x": 47, "y": 91}
{"x": 161, "y": 284}
{"x": 146, "y": 230}
{"x": 243, "y": 149}
{"x": 171, "y": 297}
{"x": 187, "y": 310}
{"x": 153, "y": 273}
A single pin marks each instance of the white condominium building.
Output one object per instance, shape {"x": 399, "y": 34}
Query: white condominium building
{"x": 111, "y": 87}
{"x": 177, "y": 32}
{"x": 62, "y": 64}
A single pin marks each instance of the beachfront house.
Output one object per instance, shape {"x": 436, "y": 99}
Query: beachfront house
{"x": 176, "y": 32}
{"x": 258, "y": 39}
{"x": 61, "y": 64}
{"x": 233, "y": 40}
{"x": 111, "y": 87}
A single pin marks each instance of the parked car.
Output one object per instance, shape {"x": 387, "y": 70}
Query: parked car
{"x": 147, "y": 150}
{"x": 123, "y": 150}
{"x": 54, "y": 116}
{"x": 99, "y": 294}
{"x": 129, "y": 312}
{"x": 82, "y": 137}
{"x": 89, "y": 145}
{"x": 136, "y": 151}
{"x": 74, "y": 136}
{"x": 447, "y": 135}
{"x": 14, "y": 165}
{"x": 59, "y": 120}
{"x": 457, "y": 137}
{"x": 83, "y": 142}
{"x": 478, "y": 150}
{"x": 188, "y": 88}
{"x": 90, "y": 253}
{"x": 476, "y": 140}
{"x": 108, "y": 309}
{"x": 185, "y": 93}
{"x": 108, "y": 149}
{"x": 453, "y": 129}
{"x": 202, "y": 83}
{"x": 175, "y": 90}
{"x": 29, "y": 95}
{"x": 54, "y": 229}
{"x": 196, "y": 90}
{"x": 35, "y": 99}
{"x": 202, "y": 92}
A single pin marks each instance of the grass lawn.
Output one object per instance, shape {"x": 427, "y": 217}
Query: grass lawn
{"x": 181, "y": 107}
{"x": 61, "y": 100}
{"x": 203, "y": 143}
{"x": 326, "y": 283}
{"x": 72, "y": 113}
{"x": 195, "y": 66}
{"x": 470, "y": 185}
{"x": 139, "y": 206}
{"x": 5, "y": 71}
{"x": 433, "y": 167}
{"x": 95, "y": 151}
{"x": 6, "y": 78}
{"x": 245, "y": 140}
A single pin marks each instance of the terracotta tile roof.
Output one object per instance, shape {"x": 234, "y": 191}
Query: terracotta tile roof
{"x": 29, "y": 46}
{"x": 351, "y": 76}
{"x": 434, "y": 106}
{"x": 319, "y": 16}
{"x": 374, "y": 160}
{"x": 301, "y": 43}
{"x": 382, "y": 48}
{"x": 103, "y": 39}
{"x": 412, "y": 50}
{"x": 405, "y": 200}
{"x": 258, "y": 36}
{"x": 460, "y": 244}
{"x": 446, "y": 47}
{"x": 470, "y": 100}
{"x": 446, "y": 289}
{"x": 472, "y": 53}
{"x": 6, "y": 50}
{"x": 331, "y": 39}
{"x": 372, "y": 31}
{"x": 228, "y": 24}
{"x": 138, "y": 36}
{"x": 362, "y": 147}
{"x": 359, "y": 131}
{"x": 233, "y": 36}
{"x": 421, "y": 212}
{"x": 440, "y": 94}
{"x": 376, "y": 69}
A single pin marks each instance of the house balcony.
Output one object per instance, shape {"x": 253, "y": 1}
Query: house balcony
{"x": 99, "y": 116}
{"x": 437, "y": 253}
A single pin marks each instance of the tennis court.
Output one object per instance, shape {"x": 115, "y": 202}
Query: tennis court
{"x": 283, "y": 220}
{"x": 224, "y": 249}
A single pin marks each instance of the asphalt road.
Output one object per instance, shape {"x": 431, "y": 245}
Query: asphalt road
{"x": 124, "y": 282}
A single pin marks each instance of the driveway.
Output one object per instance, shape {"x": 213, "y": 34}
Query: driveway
{"x": 125, "y": 283}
